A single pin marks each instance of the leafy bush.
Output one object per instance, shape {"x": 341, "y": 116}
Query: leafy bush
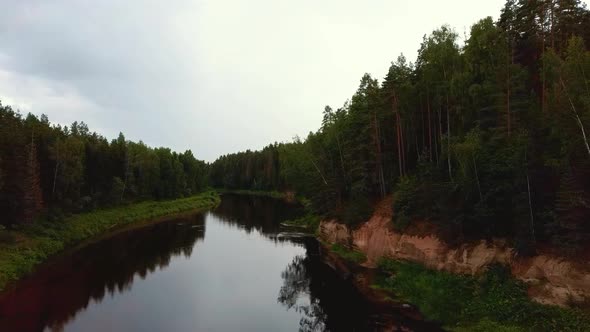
{"x": 486, "y": 325}
{"x": 493, "y": 302}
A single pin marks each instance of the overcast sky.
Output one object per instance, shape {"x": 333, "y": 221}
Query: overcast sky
{"x": 213, "y": 76}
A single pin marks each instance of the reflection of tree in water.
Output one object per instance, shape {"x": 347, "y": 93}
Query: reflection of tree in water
{"x": 55, "y": 294}
{"x": 253, "y": 213}
{"x": 296, "y": 282}
{"x": 324, "y": 301}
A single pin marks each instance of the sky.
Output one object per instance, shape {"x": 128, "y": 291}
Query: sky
{"x": 212, "y": 76}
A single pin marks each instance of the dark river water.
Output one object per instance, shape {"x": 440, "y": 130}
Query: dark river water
{"x": 231, "y": 269}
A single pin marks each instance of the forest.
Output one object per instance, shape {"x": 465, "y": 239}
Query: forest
{"x": 484, "y": 139}
{"x": 49, "y": 171}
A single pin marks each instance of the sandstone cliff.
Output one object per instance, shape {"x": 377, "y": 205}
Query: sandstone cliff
{"x": 551, "y": 279}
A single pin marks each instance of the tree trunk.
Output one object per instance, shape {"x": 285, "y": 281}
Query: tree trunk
{"x": 477, "y": 177}
{"x": 126, "y": 174}
{"x": 429, "y": 125}
{"x": 576, "y": 116}
{"x": 416, "y": 142}
{"x": 319, "y": 172}
{"x": 543, "y": 83}
{"x": 56, "y": 169}
{"x": 341, "y": 158}
{"x": 422, "y": 124}
{"x": 398, "y": 135}
{"x": 552, "y": 27}
{"x": 378, "y": 156}
{"x": 402, "y": 142}
{"x": 440, "y": 132}
{"x": 399, "y": 147}
{"x": 528, "y": 184}
{"x": 32, "y": 200}
{"x": 508, "y": 116}
{"x": 449, "y": 140}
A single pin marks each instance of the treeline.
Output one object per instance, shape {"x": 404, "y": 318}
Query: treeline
{"x": 485, "y": 139}
{"x": 256, "y": 170}
{"x": 48, "y": 170}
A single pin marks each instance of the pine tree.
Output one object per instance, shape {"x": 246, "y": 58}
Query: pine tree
{"x": 32, "y": 194}
{"x": 1, "y": 176}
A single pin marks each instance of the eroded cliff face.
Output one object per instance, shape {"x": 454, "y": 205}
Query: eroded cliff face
{"x": 551, "y": 279}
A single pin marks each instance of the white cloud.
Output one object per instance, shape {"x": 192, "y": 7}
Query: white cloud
{"x": 214, "y": 76}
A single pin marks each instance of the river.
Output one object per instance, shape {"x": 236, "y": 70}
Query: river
{"x": 231, "y": 269}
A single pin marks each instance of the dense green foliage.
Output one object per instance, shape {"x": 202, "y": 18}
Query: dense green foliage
{"x": 52, "y": 170}
{"x": 493, "y": 302}
{"x": 22, "y": 249}
{"x": 485, "y": 139}
{"x": 247, "y": 170}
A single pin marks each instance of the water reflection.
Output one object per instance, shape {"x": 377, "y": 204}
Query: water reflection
{"x": 57, "y": 292}
{"x": 296, "y": 285}
{"x": 324, "y": 301}
{"x": 254, "y": 213}
{"x": 247, "y": 274}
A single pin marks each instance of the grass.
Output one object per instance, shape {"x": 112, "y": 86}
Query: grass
{"x": 492, "y": 302}
{"x": 22, "y": 249}
{"x": 350, "y": 255}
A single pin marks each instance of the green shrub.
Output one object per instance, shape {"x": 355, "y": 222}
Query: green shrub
{"x": 492, "y": 302}
{"x": 486, "y": 325}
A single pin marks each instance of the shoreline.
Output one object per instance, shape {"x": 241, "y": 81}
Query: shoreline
{"x": 287, "y": 196}
{"x": 393, "y": 314}
{"x": 24, "y": 249}
{"x": 403, "y": 282}
{"x": 491, "y": 301}
{"x": 394, "y": 287}
{"x": 479, "y": 300}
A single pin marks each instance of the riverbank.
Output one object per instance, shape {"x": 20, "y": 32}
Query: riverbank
{"x": 24, "y": 248}
{"x": 287, "y": 196}
{"x": 493, "y": 301}
{"x": 389, "y": 315}
{"x": 476, "y": 287}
